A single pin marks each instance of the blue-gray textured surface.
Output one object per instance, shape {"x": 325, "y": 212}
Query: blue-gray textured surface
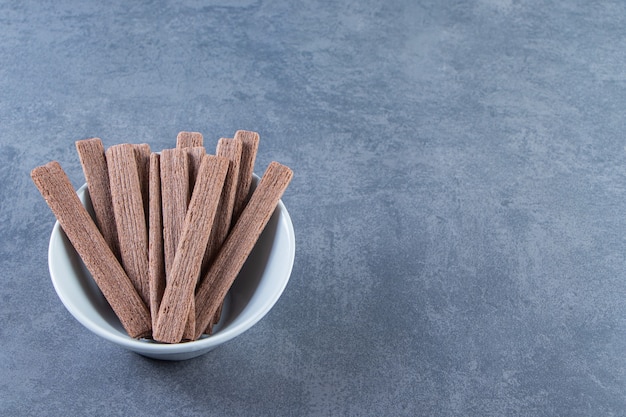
{"x": 459, "y": 201}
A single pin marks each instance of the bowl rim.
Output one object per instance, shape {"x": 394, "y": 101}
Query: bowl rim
{"x": 205, "y": 341}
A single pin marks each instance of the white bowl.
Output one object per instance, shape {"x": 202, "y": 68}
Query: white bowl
{"x": 258, "y": 286}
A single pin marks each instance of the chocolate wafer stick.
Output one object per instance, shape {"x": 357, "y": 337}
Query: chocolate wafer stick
{"x": 156, "y": 265}
{"x": 189, "y": 139}
{"x": 240, "y": 243}
{"x": 93, "y": 161}
{"x": 182, "y": 278}
{"x": 142, "y": 152}
{"x": 249, "y": 146}
{"x": 90, "y": 245}
{"x": 193, "y": 143}
{"x": 130, "y": 217}
{"x": 195, "y": 155}
{"x": 176, "y": 196}
{"x": 231, "y": 149}
{"x": 174, "y": 199}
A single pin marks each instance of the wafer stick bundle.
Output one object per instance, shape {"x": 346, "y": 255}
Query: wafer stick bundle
{"x": 171, "y": 230}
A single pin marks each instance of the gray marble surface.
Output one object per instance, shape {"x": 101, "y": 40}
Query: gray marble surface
{"x": 459, "y": 201}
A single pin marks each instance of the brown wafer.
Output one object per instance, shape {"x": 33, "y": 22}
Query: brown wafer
{"x": 174, "y": 192}
{"x": 249, "y": 147}
{"x": 182, "y": 278}
{"x": 93, "y": 161}
{"x": 90, "y": 245}
{"x": 174, "y": 199}
{"x": 130, "y": 217}
{"x": 189, "y": 139}
{"x": 195, "y": 155}
{"x": 142, "y": 152}
{"x": 231, "y": 149}
{"x": 240, "y": 243}
{"x": 156, "y": 265}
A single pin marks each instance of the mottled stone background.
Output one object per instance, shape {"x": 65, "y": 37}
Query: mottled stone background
{"x": 459, "y": 201}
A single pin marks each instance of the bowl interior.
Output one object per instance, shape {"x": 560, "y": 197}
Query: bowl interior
{"x": 256, "y": 289}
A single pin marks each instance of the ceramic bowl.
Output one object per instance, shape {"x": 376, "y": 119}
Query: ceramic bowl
{"x": 258, "y": 286}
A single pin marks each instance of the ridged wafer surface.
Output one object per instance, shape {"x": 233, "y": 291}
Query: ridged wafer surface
{"x": 130, "y": 216}
{"x": 94, "y": 251}
{"x": 182, "y": 277}
{"x": 195, "y": 155}
{"x": 93, "y": 161}
{"x": 189, "y": 139}
{"x": 142, "y": 153}
{"x": 249, "y": 147}
{"x": 239, "y": 243}
{"x": 156, "y": 262}
{"x": 174, "y": 199}
{"x": 230, "y": 149}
